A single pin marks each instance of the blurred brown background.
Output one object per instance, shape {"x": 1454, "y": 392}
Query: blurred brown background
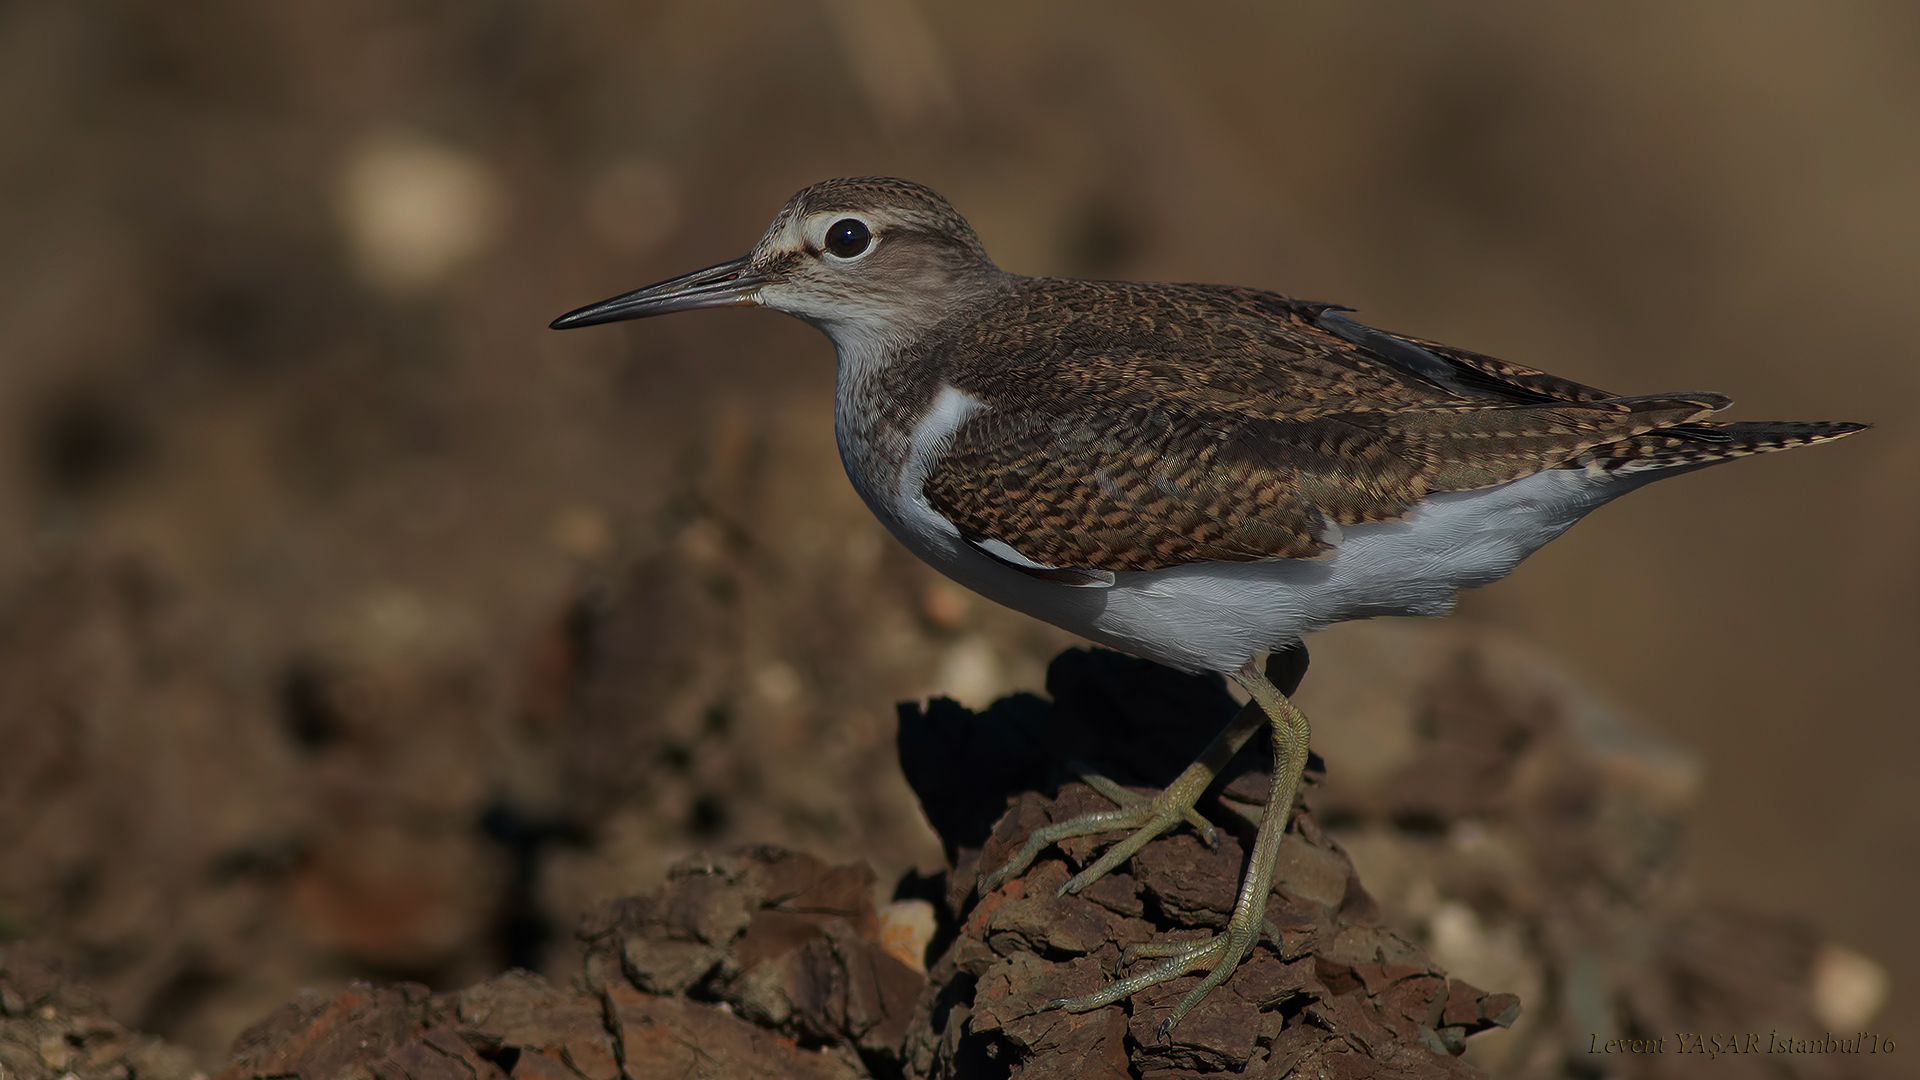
{"x": 319, "y": 554}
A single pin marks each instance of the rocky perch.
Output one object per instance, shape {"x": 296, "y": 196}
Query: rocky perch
{"x": 1512, "y": 830}
{"x": 1338, "y": 995}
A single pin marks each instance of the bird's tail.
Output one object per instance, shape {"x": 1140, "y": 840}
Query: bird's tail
{"x": 1696, "y": 444}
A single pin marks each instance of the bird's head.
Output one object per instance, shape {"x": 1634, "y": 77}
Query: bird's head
{"x": 864, "y": 259}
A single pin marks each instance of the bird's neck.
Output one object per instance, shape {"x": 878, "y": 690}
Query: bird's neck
{"x": 875, "y": 406}
{"x": 886, "y": 386}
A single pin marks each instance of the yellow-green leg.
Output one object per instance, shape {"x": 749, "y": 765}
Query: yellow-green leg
{"x": 1222, "y": 953}
{"x": 1147, "y": 817}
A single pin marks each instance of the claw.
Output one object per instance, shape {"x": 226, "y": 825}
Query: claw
{"x": 1209, "y": 835}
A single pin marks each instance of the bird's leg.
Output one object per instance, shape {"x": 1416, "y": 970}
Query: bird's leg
{"x": 1222, "y": 953}
{"x": 1147, "y": 817}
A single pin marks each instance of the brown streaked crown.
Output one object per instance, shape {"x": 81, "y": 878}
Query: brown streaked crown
{"x": 923, "y": 262}
{"x": 910, "y": 205}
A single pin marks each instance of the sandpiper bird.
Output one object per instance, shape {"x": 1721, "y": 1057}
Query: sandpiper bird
{"x": 1195, "y": 474}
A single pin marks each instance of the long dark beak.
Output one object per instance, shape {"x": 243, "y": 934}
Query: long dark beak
{"x": 726, "y": 285}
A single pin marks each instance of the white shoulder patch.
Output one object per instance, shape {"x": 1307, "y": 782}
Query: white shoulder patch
{"x": 1006, "y": 554}
{"x": 951, "y": 408}
{"x": 1059, "y": 575}
{"x": 925, "y": 443}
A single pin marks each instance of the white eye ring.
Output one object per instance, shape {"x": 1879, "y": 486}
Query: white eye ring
{"x": 848, "y": 238}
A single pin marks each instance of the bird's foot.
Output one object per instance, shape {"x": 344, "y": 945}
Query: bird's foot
{"x": 1147, "y": 817}
{"x": 1220, "y": 954}
{"x": 1127, "y": 798}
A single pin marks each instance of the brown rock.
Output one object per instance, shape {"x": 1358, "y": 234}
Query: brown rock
{"x": 1014, "y": 997}
{"x": 1194, "y": 884}
{"x": 545, "y": 1031}
{"x": 1219, "y": 1034}
{"x": 53, "y": 1027}
{"x": 663, "y": 1036}
{"x": 1312, "y": 873}
{"x": 365, "y": 1030}
{"x": 1337, "y": 995}
{"x": 788, "y": 941}
{"x": 1091, "y": 1045}
{"x": 788, "y": 945}
{"x": 1040, "y": 922}
{"x": 520, "y": 1025}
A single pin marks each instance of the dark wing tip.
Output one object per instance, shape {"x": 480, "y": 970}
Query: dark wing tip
{"x": 1817, "y": 430}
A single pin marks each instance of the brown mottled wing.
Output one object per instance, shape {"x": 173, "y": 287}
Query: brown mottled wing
{"x": 1205, "y": 349}
{"x": 1140, "y": 488}
{"x": 1146, "y": 488}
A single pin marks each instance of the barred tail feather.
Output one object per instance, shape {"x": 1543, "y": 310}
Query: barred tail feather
{"x": 1693, "y": 445}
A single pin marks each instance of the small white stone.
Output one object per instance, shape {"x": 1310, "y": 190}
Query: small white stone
{"x": 971, "y": 673}
{"x": 415, "y": 209}
{"x": 583, "y": 532}
{"x": 703, "y": 543}
{"x": 778, "y": 683}
{"x": 906, "y": 926}
{"x": 1456, "y": 933}
{"x": 1848, "y": 988}
{"x": 1493, "y": 957}
{"x": 945, "y": 604}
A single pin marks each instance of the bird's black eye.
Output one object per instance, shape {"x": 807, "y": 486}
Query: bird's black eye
{"x": 848, "y": 237}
